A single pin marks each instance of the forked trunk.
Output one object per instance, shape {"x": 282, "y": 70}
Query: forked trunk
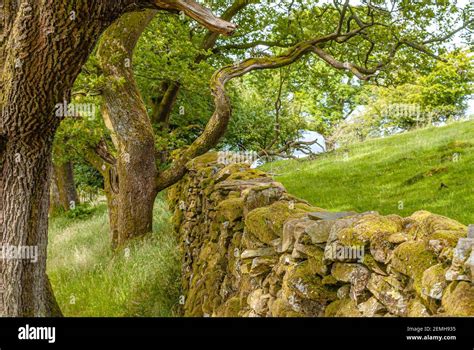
{"x": 132, "y": 191}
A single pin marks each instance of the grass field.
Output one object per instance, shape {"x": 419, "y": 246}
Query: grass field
{"x": 431, "y": 169}
{"x": 89, "y": 280}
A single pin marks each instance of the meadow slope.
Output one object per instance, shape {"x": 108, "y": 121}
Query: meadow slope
{"x": 431, "y": 169}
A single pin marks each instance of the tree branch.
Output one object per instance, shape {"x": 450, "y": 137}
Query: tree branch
{"x": 251, "y": 45}
{"x": 199, "y": 13}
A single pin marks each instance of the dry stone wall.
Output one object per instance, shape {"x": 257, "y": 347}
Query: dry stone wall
{"x": 251, "y": 249}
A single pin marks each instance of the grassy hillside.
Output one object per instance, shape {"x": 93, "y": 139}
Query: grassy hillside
{"x": 430, "y": 169}
{"x": 89, "y": 280}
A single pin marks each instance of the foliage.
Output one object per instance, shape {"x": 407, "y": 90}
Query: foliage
{"x": 256, "y": 123}
{"x": 80, "y": 212}
{"x": 429, "y": 99}
{"x": 87, "y": 178}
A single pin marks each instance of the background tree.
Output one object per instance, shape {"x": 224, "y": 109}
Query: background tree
{"x": 436, "y": 96}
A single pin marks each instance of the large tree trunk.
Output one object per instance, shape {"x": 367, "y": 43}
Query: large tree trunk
{"x": 132, "y": 132}
{"x": 24, "y": 213}
{"x": 126, "y": 116}
{"x": 111, "y": 193}
{"x": 44, "y": 52}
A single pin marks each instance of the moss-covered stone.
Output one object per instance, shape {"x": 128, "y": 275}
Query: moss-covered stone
{"x": 250, "y": 241}
{"x": 173, "y": 193}
{"x": 344, "y": 271}
{"x": 261, "y": 196}
{"x": 230, "y": 169}
{"x": 230, "y": 209}
{"x": 203, "y": 161}
{"x": 371, "y": 307}
{"x": 416, "y": 308}
{"x": 302, "y": 282}
{"x": 433, "y": 281}
{"x": 361, "y": 232}
{"x": 329, "y": 280}
{"x": 281, "y": 308}
{"x": 430, "y": 223}
{"x": 319, "y": 230}
{"x": 458, "y": 299}
{"x": 373, "y": 265}
{"x": 412, "y": 259}
{"x": 442, "y": 241}
{"x": 247, "y": 174}
{"x": 388, "y": 292}
{"x": 262, "y": 265}
{"x": 316, "y": 261}
{"x": 230, "y": 308}
{"x": 267, "y": 223}
{"x": 380, "y": 248}
{"x": 342, "y": 308}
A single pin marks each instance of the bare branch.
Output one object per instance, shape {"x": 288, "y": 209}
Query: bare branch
{"x": 448, "y": 35}
{"x": 199, "y": 13}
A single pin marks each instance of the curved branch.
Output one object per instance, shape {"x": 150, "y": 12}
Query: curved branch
{"x": 167, "y": 101}
{"x": 251, "y": 45}
{"x": 199, "y": 13}
{"x": 217, "y": 125}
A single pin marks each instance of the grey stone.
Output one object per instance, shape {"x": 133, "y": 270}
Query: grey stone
{"x": 319, "y": 231}
{"x": 343, "y": 291}
{"x": 470, "y": 231}
{"x": 470, "y": 265}
{"x": 372, "y": 307}
{"x": 326, "y": 215}
{"x": 460, "y": 269}
{"x": 397, "y": 238}
{"x": 253, "y": 253}
{"x": 388, "y": 294}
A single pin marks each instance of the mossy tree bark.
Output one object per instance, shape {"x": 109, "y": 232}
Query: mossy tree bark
{"x": 44, "y": 44}
{"x": 63, "y": 178}
{"x": 126, "y": 115}
{"x": 41, "y": 63}
{"x": 103, "y": 162}
{"x": 54, "y": 203}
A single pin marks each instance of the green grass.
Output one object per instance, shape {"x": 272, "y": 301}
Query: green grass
{"x": 90, "y": 280}
{"x": 379, "y": 174}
